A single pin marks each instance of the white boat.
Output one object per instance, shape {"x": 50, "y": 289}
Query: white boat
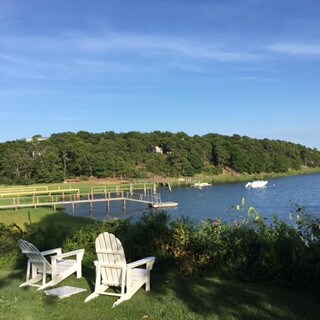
{"x": 164, "y": 204}
{"x": 257, "y": 184}
{"x": 201, "y": 184}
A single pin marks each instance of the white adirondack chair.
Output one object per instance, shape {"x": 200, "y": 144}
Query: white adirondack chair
{"x": 39, "y": 268}
{"x": 113, "y": 271}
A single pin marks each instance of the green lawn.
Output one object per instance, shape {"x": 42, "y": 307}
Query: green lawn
{"x": 43, "y": 216}
{"x": 171, "y": 297}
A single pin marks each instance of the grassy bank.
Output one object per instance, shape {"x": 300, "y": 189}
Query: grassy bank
{"x": 227, "y": 177}
{"x": 86, "y": 185}
{"x": 41, "y": 216}
{"x": 171, "y": 297}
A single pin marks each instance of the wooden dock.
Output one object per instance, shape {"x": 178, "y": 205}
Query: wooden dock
{"x": 31, "y": 198}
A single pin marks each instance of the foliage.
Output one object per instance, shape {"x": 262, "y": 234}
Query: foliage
{"x": 132, "y": 155}
{"x": 85, "y": 237}
{"x": 248, "y": 249}
{"x": 148, "y": 236}
{"x": 9, "y": 235}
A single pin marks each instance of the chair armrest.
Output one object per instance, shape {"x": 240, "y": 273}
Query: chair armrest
{"x": 79, "y": 253}
{"x": 51, "y": 251}
{"x": 148, "y": 261}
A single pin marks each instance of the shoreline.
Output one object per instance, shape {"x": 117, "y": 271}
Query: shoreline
{"x": 221, "y": 178}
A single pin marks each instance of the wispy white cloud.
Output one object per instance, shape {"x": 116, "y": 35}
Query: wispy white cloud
{"x": 100, "y": 65}
{"x": 191, "y": 67}
{"x": 70, "y": 53}
{"x": 19, "y": 65}
{"x": 296, "y": 49}
{"x": 141, "y": 44}
{"x": 22, "y": 92}
{"x": 11, "y": 58}
{"x": 163, "y": 45}
{"x": 259, "y": 79}
{"x": 55, "y": 57}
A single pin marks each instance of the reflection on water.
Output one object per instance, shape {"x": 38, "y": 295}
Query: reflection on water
{"x": 280, "y": 198}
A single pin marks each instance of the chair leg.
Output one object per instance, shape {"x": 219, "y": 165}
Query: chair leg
{"x": 97, "y": 287}
{"x": 79, "y": 271}
{"x": 91, "y": 296}
{"x": 148, "y": 280}
{"x": 122, "y": 299}
{"x": 32, "y": 276}
{"x": 98, "y": 280}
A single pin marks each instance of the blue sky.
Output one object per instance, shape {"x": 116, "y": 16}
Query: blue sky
{"x": 229, "y": 67}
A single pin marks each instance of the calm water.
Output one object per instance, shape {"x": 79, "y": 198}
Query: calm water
{"x": 280, "y": 198}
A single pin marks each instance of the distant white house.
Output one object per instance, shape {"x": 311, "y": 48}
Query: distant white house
{"x": 156, "y": 149}
{"x": 36, "y": 138}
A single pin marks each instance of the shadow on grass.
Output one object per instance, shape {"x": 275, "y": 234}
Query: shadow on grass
{"x": 7, "y": 277}
{"x": 51, "y": 231}
{"x": 211, "y": 297}
{"x": 89, "y": 274}
{"x": 204, "y": 298}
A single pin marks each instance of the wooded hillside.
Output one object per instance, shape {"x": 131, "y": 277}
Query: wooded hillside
{"x": 140, "y": 155}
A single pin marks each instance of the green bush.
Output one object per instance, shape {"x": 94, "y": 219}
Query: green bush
{"x": 50, "y": 236}
{"x": 9, "y": 235}
{"x": 148, "y": 236}
{"x": 85, "y": 237}
{"x": 248, "y": 249}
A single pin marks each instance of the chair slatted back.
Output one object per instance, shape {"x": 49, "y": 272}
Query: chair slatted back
{"x": 35, "y": 256}
{"x": 110, "y": 251}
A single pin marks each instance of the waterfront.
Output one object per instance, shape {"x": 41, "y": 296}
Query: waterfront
{"x": 280, "y": 197}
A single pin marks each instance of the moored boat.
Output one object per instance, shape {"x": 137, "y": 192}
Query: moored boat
{"x": 163, "y": 204}
{"x": 257, "y": 184}
{"x": 201, "y": 184}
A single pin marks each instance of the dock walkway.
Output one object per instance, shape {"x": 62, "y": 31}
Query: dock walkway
{"x": 42, "y": 197}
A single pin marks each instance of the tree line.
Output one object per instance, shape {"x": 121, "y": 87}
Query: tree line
{"x": 142, "y": 155}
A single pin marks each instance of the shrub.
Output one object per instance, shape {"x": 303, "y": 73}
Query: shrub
{"x": 85, "y": 237}
{"x": 148, "y": 236}
{"x": 247, "y": 249}
{"x": 47, "y": 237}
{"x": 182, "y": 241}
{"x": 9, "y": 235}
